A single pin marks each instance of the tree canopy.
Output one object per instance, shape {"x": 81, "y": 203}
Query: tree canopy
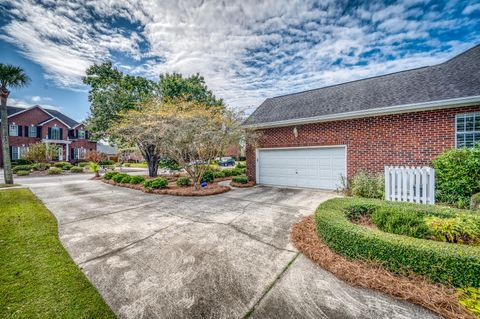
{"x": 112, "y": 91}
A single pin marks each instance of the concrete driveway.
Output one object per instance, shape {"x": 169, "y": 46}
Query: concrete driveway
{"x": 223, "y": 256}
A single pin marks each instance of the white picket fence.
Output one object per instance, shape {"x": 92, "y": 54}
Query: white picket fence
{"x": 410, "y": 184}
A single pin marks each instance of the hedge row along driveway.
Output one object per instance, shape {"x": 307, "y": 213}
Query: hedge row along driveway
{"x": 454, "y": 264}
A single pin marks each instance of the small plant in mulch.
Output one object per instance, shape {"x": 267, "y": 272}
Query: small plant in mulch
{"x": 242, "y": 182}
{"x": 184, "y": 181}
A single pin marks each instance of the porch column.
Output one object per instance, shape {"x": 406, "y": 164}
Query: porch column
{"x": 67, "y": 153}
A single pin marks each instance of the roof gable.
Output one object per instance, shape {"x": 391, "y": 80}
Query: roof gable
{"x": 458, "y": 77}
{"x": 53, "y": 114}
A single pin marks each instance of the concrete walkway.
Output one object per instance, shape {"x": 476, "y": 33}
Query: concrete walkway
{"x": 223, "y": 256}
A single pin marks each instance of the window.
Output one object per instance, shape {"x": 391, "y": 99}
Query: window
{"x": 32, "y": 131}
{"x": 55, "y": 134}
{"x": 18, "y": 152}
{"x": 468, "y": 129}
{"x": 13, "y": 130}
{"x": 81, "y": 133}
{"x": 80, "y": 153}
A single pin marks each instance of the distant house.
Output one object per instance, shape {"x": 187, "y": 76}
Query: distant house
{"x": 27, "y": 126}
{"x": 312, "y": 138}
{"x": 110, "y": 151}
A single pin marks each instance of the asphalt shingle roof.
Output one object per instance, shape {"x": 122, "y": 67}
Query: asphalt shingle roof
{"x": 70, "y": 122}
{"x": 455, "y": 78}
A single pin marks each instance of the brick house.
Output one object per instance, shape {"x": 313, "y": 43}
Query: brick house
{"x": 36, "y": 124}
{"x": 312, "y": 138}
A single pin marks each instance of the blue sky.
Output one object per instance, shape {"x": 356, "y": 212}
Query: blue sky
{"x": 246, "y": 50}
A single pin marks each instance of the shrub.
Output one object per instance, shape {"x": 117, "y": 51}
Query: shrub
{"x": 208, "y": 176}
{"x": 137, "y": 179}
{"x": 184, "y": 181}
{"x": 400, "y": 221}
{"x": 156, "y": 183}
{"x": 23, "y": 173}
{"x": 464, "y": 229}
{"x": 458, "y": 265}
{"x": 22, "y": 168}
{"x": 106, "y": 162}
{"x": 119, "y": 177}
{"x": 67, "y": 167}
{"x": 83, "y": 164}
{"x": 240, "y": 179}
{"x": 368, "y": 185}
{"x": 241, "y": 165}
{"x": 233, "y": 171}
{"x": 109, "y": 175}
{"x": 475, "y": 202}
{"x": 218, "y": 174}
{"x": 126, "y": 179}
{"x": 356, "y": 212}
{"x": 22, "y": 162}
{"x": 41, "y": 166}
{"x": 61, "y": 164}
{"x": 457, "y": 175}
{"x": 127, "y": 164}
{"x": 169, "y": 164}
{"x": 76, "y": 169}
{"x": 54, "y": 171}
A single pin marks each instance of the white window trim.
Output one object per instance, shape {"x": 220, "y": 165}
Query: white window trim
{"x": 18, "y": 151}
{"x": 10, "y": 127}
{"x": 475, "y": 114}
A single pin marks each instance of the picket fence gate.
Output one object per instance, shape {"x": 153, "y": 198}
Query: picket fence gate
{"x": 410, "y": 184}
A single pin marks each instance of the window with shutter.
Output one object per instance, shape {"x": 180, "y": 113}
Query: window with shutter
{"x": 467, "y": 126}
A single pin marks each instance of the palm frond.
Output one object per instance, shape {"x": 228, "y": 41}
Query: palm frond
{"x": 13, "y": 76}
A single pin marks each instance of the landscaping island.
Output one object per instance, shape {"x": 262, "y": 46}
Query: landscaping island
{"x": 38, "y": 278}
{"x": 354, "y": 239}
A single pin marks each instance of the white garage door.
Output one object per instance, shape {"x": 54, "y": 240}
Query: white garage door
{"x": 302, "y": 167}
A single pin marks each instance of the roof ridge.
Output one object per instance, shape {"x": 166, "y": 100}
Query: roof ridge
{"x": 378, "y": 76}
{"x": 357, "y": 80}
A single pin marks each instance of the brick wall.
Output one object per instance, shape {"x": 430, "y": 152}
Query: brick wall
{"x": 399, "y": 139}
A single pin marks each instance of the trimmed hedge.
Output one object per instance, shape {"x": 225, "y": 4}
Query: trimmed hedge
{"x": 156, "y": 183}
{"x": 109, "y": 175}
{"x": 118, "y": 178}
{"x": 184, "y": 181}
{"x": 61, "y": 164}
{"x": 22, "y": 168}
{"x": 23, "y": 173}
{"x": 137, "y": 179}
{"x": 454, "y": 264}
{"x": 54, "y": 171}
{"x": 240, "y": 179}
{"x": 76, "y": 169}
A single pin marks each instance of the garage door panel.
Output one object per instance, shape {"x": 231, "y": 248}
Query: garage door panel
{"x": 308, "y": 167}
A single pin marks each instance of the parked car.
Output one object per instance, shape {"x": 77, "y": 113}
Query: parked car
{"x": 226, "y": 161}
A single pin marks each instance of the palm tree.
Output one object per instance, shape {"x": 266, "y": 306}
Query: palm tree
{"x": 13, "y": 77}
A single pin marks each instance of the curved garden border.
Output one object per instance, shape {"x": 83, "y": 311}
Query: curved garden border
{"x": 438, "y": 298}
{"x": 457, "y": 265}
{"x": 212, "y": 189}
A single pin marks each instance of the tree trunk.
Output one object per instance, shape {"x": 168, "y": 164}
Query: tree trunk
{"x": 7, "y": 164}
{"x": 152, "y": 162}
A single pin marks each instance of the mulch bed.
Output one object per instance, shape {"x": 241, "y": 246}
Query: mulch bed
{"x": 174, "y": 189}
{"x": 240, "y": 185}
{"x": 438, "y": 298}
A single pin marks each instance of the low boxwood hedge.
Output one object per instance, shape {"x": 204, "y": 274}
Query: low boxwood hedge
{"x": 156, "y": 183}
{"x": 23, "y": 173}
{"x": 22, "y": 168}
{"x": 240, "y": 179}
{"x": 109, "y": 175}
{"x": 76, "y": 169}
{"x": 454, "y": 264}
{"x": 118, "y": 178}
{"x": 137, "y": 179}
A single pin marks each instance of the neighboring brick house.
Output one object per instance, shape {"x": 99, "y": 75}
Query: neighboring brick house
{"x": 36, "y": 124}
{"x": 312, "y": 138}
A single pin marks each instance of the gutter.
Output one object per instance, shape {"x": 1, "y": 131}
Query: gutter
{"x": 397, "y": 109}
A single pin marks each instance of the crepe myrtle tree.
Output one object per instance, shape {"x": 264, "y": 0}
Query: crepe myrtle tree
{"x": 10, "y": 77}
{"x": 143, "y": 128}
{"x": 196, "y": 134}
{"x": 41, "y": 152}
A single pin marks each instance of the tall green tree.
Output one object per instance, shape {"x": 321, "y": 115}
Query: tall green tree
{"x": 112, "y": 91}
{"x": 10, "y": 77}
{"x": 174, "y": 86}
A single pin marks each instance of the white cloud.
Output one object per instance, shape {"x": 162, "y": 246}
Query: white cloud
{"x": 28, "y": 103}
{"x": 246, "y": 50}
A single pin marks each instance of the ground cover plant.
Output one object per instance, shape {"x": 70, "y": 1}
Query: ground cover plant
{"x": 38, "y": 277}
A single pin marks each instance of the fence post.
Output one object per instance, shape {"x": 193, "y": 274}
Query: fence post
{"x": 410, "y": 184}
{"x": 387, "y": 183}
{"x": 432, "y": 186}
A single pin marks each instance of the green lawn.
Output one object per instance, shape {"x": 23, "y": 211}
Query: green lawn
{"x": 139, "y": 165}
{"x": 37, "y": 277}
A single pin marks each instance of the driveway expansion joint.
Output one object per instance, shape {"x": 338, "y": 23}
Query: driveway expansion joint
{"x": 270, "y": 287}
